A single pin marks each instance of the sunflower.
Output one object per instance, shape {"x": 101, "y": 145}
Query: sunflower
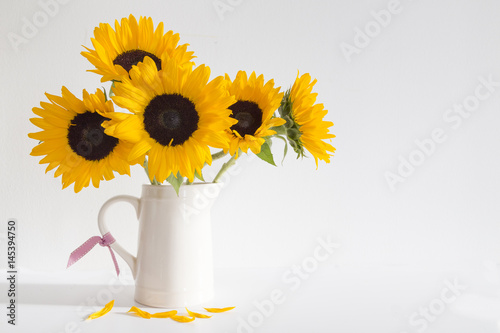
{"x": 254, "y": 110}
{"x": 74, "y": 141}
{"x": 177, "y": 115}
{"x": 116, "y": 51}
{"x": 305, "y": 127}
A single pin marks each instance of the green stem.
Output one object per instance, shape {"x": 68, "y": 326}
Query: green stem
{"x": 218, "y": 155}
{"x": 224, "y": 168}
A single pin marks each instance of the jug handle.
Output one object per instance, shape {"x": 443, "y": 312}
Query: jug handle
{"x": 103, "y": 228}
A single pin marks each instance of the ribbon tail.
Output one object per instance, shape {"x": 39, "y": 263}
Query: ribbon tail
{"x": 114, "y": 260}
{"x": 82, "y": 250}
{"x": 71, "y": 259}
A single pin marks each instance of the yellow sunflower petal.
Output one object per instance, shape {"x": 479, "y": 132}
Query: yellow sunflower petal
{"x": 256, "y": 103}
{"x": 196, "y": 315}
{"x": 183, "y": 319}
{"x": 139, "y": 149}
{"x": 219, "y": 310}
{"x": 102, "y": 312}
{"x": 167, "y": 314}
{"x": 140, "y": 312}
{"x": 74, "y": 141}
{"x": 173, "y": 96}
{"x": 307, "y": 117}
{"x": 117, "y": 50}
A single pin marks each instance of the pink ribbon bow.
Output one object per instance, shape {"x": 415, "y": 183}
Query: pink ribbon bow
{"x": 106, "y": 240}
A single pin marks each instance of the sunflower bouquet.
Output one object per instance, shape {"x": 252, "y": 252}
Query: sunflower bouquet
{"x": 177, "y": 120}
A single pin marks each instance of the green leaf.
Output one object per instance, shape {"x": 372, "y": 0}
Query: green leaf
{"x": 285, "y": 150}
{"x": 265, "y": 154}
{"x": 176, "y": 182}
{"x": 269, "y": 142}
{"x": 199, "y": 176}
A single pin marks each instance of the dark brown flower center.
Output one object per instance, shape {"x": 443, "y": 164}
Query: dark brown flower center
{"x": 170, "y": 118}
{"x": 249, "y": 117}
{"x": 133, "y": 57}
{"x": 87, "y": 139}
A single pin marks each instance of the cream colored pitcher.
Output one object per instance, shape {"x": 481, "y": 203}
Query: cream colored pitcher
{"x": 173, "y": 266}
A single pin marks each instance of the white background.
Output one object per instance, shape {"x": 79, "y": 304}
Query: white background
{"x": 394, "y": 91}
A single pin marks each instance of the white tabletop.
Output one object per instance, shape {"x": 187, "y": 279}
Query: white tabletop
{"x": 327, "y": 299}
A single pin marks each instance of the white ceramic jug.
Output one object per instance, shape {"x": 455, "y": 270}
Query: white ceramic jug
{"x": 173, "y": 267}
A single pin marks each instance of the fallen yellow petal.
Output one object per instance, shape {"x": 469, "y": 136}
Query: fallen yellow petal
{"x": 219, "y": 310}
{"x": 102, "y": 312}
{"x": 140, "y": 313}
{"x": 167, "y": 314}
{"x": 197, "y": 315}
{"x": 182, "y": 319}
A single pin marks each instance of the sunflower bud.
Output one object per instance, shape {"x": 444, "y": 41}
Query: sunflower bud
{"x": 293, "y": 134}
{"x": 289, "y": 122}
